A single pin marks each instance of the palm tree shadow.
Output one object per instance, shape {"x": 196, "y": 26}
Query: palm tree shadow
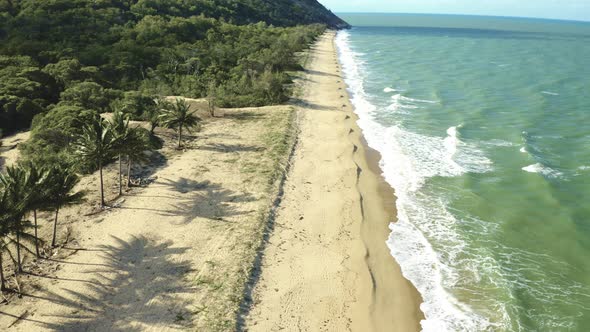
{"x": 206, "y": 200}
{"x": 142, "y": 289}
{"x": 183, "y": 185}
{"x": 155, "y": 162}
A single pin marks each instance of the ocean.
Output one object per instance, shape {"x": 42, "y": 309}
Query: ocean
{"x": 483, "y": 124}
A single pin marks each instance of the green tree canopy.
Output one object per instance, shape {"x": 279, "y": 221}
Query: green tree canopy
{"x": 53, "y": 132}
{"x": 89, "y": 95}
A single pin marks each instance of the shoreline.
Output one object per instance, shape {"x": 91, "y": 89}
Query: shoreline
{"x": 332, "y": 275}
{"x": 380, "y": 211}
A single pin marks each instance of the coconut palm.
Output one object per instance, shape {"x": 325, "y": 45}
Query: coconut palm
{"x": 5, "y": 229}
{"x": 60, "y": 183}
{"x": 179, "y": 117}
{"x": 3, "y": 247}
{"x": 95, "y": 147}
{"x": 37, "y": 178}
{"x": 152, "y": 114}
{"x": 120, "y": 128}
{"x": 212, "y": 98}
{"x": 16, "y": 195}
{"x": 138, "y": 142}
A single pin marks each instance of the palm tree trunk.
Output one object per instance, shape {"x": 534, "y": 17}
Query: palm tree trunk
{"x": 101, "y": 185}
{"x": 2, "y": 280}
{"x": 18, "y": 260}
{"x": 128, "y": 172}
{"x": 120, "y": 176}
{"x": 36, "y": 237}
{"x": 179, "y": 135}
{"x": 55, "y": 226}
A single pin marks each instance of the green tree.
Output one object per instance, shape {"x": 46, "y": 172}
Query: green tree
{"x": 24, "y": 91}
{"x": 119, "y": 125}
{"x": 53, "y": 133}
{"x": 60, "y": 182}
{"x": 153, "y": 115}
{"x": 138, "y": 142}
{"x": 89, "y": 95}
{"x": 136, "y": 104}
{"x": 6, "y": 217}
{"x": 179, "y": 117}
{"x": 15, "y": 184}
{"x": 37, "y": 184}
{"x": 69, "y": 71}
{"x": 95, "y": 147}
{"x": 212, "y": 98}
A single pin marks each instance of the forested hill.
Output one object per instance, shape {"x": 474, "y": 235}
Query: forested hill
{"x": 294, "y": 12}
{"x": 276, "y": 12}
{"x": 80, "y": 56}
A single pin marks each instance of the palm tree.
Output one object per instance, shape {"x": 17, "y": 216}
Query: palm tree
{"x": 152, "y": 114}
{"x": 95, "y": 146}
{"x": 60, "y": 183}
{"x": 37, "y": 180}
{"x": 179, "y": 117}
{"x": 5, "y": 229}
{"x": 138, "y": 142}
{"x": 120, "y": 128}
{"x": 212, "y": 98}
{"x": 16, "y": 196}
{"x": 3, "y": 247}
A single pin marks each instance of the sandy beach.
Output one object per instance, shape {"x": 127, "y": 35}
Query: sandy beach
{"x": 327, "y": 267}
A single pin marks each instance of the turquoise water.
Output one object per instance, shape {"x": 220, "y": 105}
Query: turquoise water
{"x": 484, "y": 128}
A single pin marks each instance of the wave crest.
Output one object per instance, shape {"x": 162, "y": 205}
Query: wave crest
{"x": 543, "y": 170}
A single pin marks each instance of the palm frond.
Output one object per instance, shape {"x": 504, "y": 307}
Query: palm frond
{"x": 179, "y": 115}
{"x": 96, "y": 143}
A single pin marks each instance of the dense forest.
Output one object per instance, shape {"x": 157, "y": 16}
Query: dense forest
{"x": 62, "y": 60}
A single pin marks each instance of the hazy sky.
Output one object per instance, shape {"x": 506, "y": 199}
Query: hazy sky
{"x": 560, "y": 9}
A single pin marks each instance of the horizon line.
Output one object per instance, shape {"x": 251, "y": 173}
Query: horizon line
{"x": 476, "y": 15}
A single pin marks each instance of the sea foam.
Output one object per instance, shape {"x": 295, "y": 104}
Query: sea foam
{"x": 543, "y": 170}
{"x": 408, "y": 160}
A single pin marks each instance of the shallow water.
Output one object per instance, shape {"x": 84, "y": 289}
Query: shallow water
{"x": 484, "y": 129}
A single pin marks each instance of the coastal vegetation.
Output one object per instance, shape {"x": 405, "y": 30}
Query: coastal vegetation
{"x": 86, "y": 54}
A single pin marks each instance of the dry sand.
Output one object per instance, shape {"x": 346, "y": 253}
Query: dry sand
{"x": 174, "y": 255}
{"x": 327, "y": 266}
{"x": 9, "y": 148}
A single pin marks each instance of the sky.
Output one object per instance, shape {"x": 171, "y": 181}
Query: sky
{"x": 557, "y": 9}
